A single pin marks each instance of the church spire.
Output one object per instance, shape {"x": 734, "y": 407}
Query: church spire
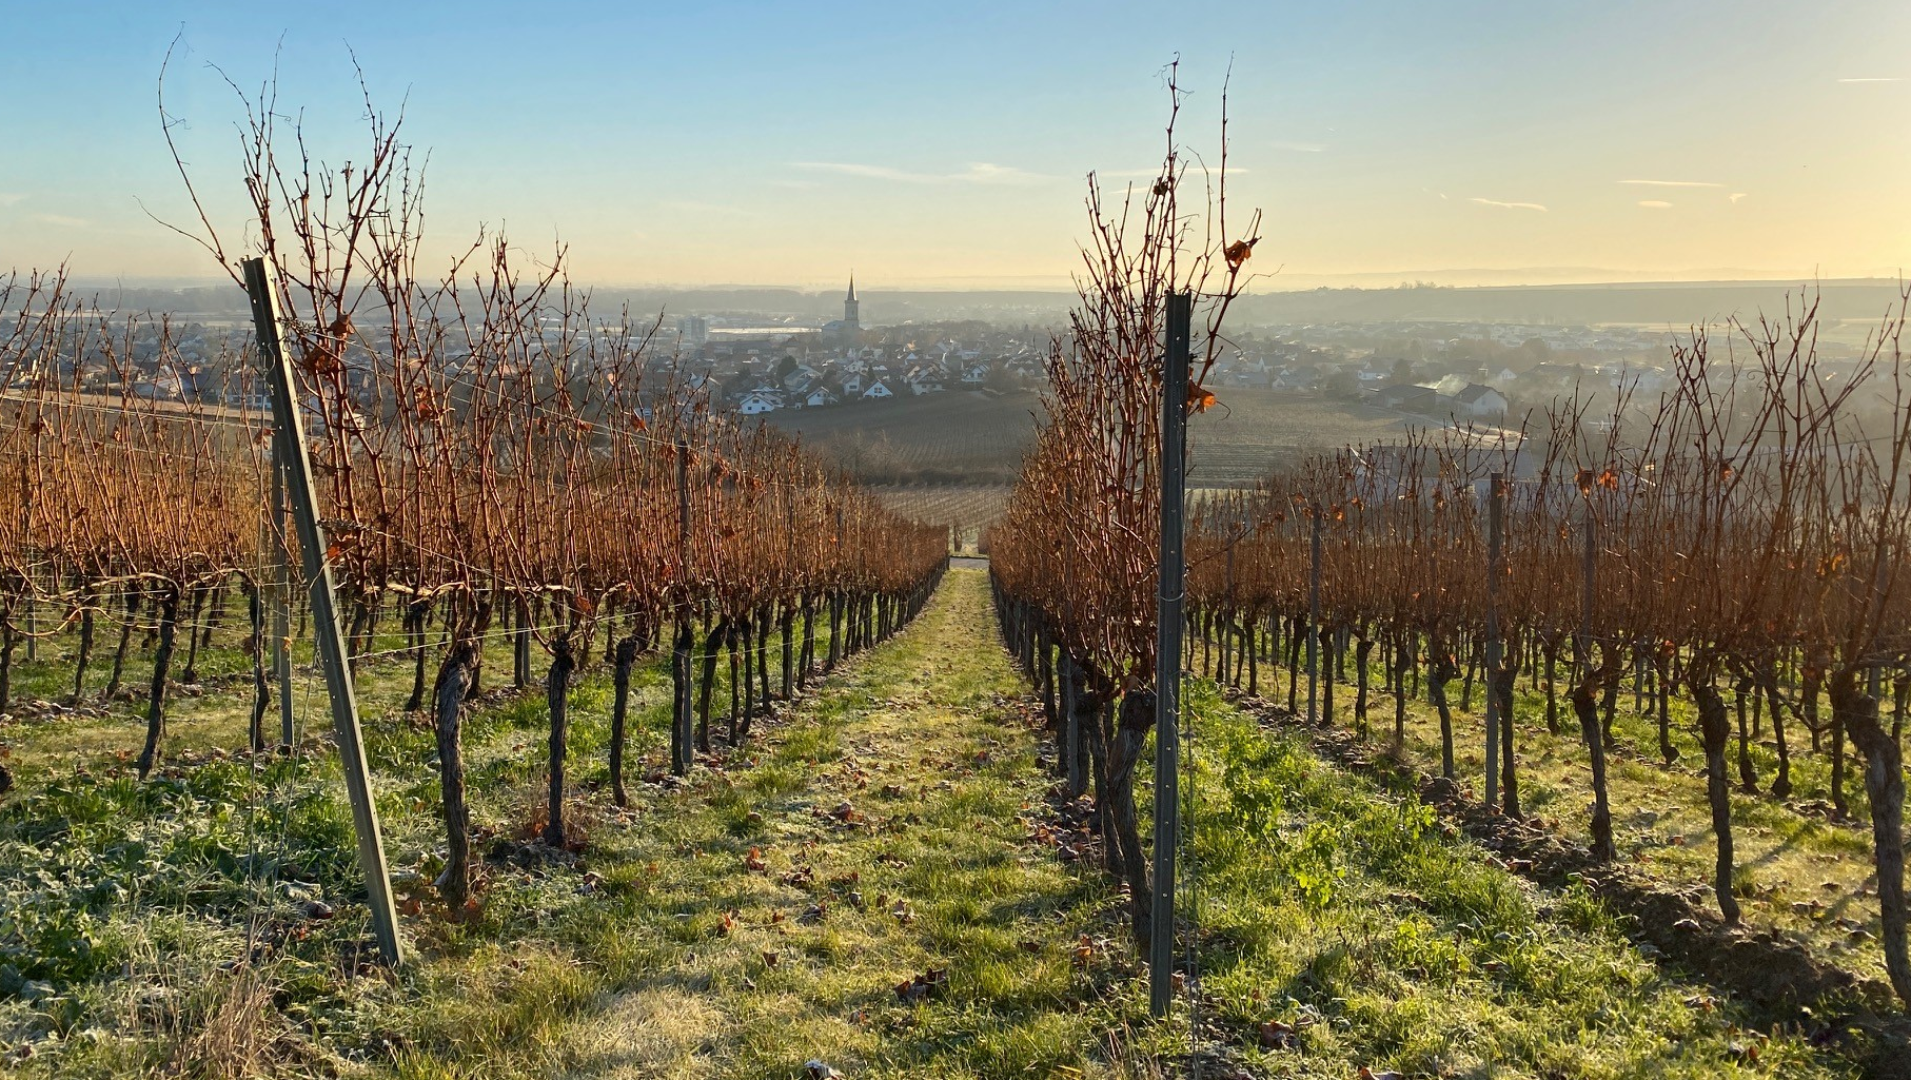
{"x": 850, "y": 297}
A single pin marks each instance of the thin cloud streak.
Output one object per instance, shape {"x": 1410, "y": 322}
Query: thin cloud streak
{"x": 1884, "y": 79}
{"x": 1672, "y": 183}
{"x": 976, "y": 173}
{"x": 1656, "y": 204}
{"x": 1508, "y": 205}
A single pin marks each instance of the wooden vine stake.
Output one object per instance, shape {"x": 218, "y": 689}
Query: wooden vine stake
{"x": 290, "y": 448}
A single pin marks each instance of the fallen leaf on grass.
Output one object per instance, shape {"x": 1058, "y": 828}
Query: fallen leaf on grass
{"x": 1278, "y": 1035}
{"x": 924, "y": 986}
{"x": 755, "y": 863}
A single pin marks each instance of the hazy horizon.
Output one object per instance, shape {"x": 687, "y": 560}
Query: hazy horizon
{"x": 1488, "y": 144}
{"x": 1490, "y": 278}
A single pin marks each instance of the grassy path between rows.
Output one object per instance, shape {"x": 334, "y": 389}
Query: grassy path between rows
{"x": 766, "y": 915}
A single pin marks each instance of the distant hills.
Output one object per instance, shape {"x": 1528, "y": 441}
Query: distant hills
{"x": 1677, "y": 304}
{"x": 1641, "y": 303}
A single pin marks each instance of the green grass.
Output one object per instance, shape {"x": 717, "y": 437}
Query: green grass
{"x": 616, "y": 964}
{"x": 1662, "y": 824}
{"x": 660, "y": 990}
{"x": 124, "y": 907}
{"x": 1319, "y": 893}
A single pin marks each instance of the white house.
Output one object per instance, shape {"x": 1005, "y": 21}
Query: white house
{"x": 878, "y": 390}
{"x": 759, "y": 401}
{"x": 1480, "y": 402}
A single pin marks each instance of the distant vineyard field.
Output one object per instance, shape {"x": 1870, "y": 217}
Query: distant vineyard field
{"x": 1251, "y": 433}
{"x": 958, "y": 437}
{"x": 970, "y": 508}
{"x": 969, "y": 438}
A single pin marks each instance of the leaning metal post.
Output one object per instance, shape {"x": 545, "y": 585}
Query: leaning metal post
{"x": 1166, "y": 759}
{"x": 329, "y": 647}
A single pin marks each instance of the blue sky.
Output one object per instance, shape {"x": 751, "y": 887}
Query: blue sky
{"x": 777, "y": 144}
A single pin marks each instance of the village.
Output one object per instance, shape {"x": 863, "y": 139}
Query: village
{"x": 1479, "y": 373}
{"x": 755, "y": 364}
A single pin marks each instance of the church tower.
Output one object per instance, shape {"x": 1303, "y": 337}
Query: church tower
{"x": 852, "y": 318}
